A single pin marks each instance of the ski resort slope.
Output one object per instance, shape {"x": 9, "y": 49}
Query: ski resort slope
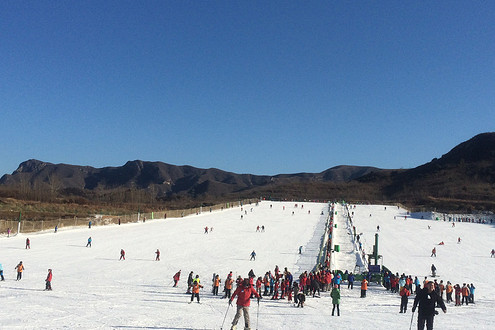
{"x": 92, "y": 289}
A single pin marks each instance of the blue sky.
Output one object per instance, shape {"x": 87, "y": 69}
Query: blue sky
{"x": 249, "y": 87}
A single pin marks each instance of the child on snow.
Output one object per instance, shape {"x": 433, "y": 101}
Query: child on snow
{"x": 335, "y": 294}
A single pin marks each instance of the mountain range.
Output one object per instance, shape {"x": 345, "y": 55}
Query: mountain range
{"x": 463, "y": 178}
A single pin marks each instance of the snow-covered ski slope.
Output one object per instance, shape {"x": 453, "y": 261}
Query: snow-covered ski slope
{"x": 93, "y": 289}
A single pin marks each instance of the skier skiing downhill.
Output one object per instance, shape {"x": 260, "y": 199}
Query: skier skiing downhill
{"x": 243, "y": 293}
{"x": 434, "y": 252}
{"x": 157, "y": 255}
{"x": 122, "y": 254}
{"x": 253, "y": 256}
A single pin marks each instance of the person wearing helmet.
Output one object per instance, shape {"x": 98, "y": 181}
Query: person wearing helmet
{"x": 243, "y": 293}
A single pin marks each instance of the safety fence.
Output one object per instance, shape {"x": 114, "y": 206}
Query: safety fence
{"x": 13, "y": 227}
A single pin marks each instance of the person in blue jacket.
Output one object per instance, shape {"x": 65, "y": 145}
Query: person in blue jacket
{"x": 1, "y": 273}
{"x": 471, "y": 293}
{"x": 338, "y": 279}
{"x": 350, "y": 284}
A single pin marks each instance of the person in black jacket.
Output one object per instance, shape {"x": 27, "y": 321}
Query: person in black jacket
{"x": 427, "y": 299}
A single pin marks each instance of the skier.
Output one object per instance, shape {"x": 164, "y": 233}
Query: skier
{"x": 350, "y": 280}
{"x": 364, "y": 288}
{"x": 434, "y": 252}
{"x": 404, "y": 293}
{"x": 28, "y": 243}
{"x": 189, "y": 282}
{"x": 458, "y": 240}
{"x": 301, "y": 298}
{"x": 427, "y": 299}
{"x": 176, "y": 278}
{"x": 262, "y": 228}
{"x": 253, "y": 256}
{"x": 206, "y": 230}
{"x": 1, "y": 273}
{"x": 89, "y": 224}
{"x": 228, "y": 287}
{"x": 433, "y": 270}
{"x": 216, "y": 284}
{"x": 122, "y": 254}
{"x": 417, "y": 284}
{"x": 471, "y": 293}
{"x": 243, "y": 293}
{"x": 48, "y": 281}
{"x": 300, "y": 249}
{"x": 493, "y": 254}
{"x": 195, "y": 290}
{"x": 295, "y": 290}
{"x": 157, "y": 255}
{"x": 448, "y": 291}
{"x": 56, "y": 228}
{"x": 457, "y": 290}
{"x": 335, "y": 294}
{"x": 465, "y": 294}
{"x": 89, "y": 241}
{"x": 20, "y": 268}
{"x": 8, "y": 232}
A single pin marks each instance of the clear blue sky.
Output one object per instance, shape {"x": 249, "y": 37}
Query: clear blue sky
{"x": 261, "y": 87}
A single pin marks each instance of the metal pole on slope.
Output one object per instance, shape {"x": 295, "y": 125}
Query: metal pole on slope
{"x": 225, "y": 315}
{"x": 412, "y": 317}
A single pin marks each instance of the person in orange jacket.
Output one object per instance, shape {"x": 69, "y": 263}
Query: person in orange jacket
{"x": 448, "y": 291}
{"x": 216, "y": 284}
{"x": 195, "y": 291}
{"x": 228, "y": 287}
{"x": 20, "y": 268}
{"x": 465, "y": 294}
{"x": 364, "y": 288}
{"x": 404, "y": 293}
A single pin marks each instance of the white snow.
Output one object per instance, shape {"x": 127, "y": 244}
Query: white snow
{"x": 93, "y": 289}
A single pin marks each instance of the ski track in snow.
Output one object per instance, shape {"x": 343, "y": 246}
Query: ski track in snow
{"x": 93, "y": 289}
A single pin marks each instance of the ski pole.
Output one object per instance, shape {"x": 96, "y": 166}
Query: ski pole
{"x": 412, "y": 317}
{"x": 225, "y": 316}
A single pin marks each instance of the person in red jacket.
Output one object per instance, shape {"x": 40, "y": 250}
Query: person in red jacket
{"x": 48, "y": 281}
{"x": 176, "y": 278}
{"x": 404, "y": 293}
{"x": 243, "y": 293}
